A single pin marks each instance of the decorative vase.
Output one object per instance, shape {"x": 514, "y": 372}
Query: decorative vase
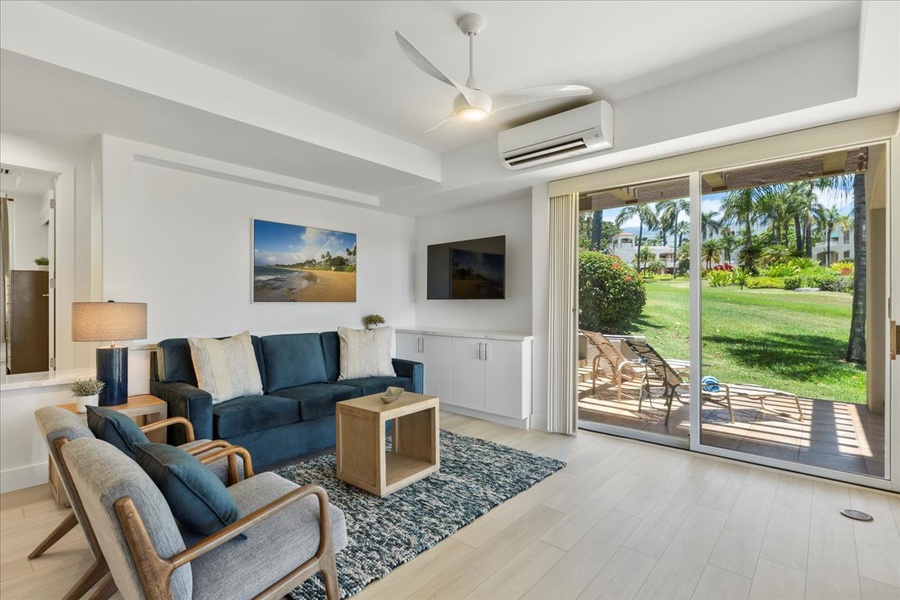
{"x": 82, "y": 402}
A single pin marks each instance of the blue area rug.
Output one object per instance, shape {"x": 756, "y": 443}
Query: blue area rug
{"x": 475, "y": 476}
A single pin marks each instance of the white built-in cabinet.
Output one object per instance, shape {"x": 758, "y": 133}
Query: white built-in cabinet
{"x": 480, "y": 374}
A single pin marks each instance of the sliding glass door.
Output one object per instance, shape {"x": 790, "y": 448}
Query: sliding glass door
{"x": 794, "y": 311}
{"x": 743, "y": 311}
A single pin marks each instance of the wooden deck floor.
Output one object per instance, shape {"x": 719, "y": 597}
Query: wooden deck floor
{"x": 835, "y": 435}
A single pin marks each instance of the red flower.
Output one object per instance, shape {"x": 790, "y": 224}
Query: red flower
{"x": 628, "y": 278}
{"x": 615, "y": 265}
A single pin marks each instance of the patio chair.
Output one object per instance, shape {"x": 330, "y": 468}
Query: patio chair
{"x": 292, "y": 532}
{"x": 611, "y": 356}
{"x": 671, "y": 380}
{"x": 59, "y": 426}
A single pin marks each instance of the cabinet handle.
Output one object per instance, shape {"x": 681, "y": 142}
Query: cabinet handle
{"x": 421, "y": 345}
{"x": 479, "y": 350}
{"x": 485, "y": 351}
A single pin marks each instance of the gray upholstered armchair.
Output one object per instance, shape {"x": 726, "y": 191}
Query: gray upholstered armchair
{"x": 291, "y": 533}
{"x": 229, "y": 463}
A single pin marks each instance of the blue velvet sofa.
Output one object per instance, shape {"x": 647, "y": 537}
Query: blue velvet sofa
{"x": 295, "y": 415}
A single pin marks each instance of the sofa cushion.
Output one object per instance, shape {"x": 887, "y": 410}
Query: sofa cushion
{"x": 252, "y": 413}
{"x": 174, "y": 363}
{"x": 366, "y": 352}
{"x": 317, "y": 400}
{"x": 226, "y": 368}
{"x": 293, "y": 359}
{"x": 331, "y": 347}
{"x": 115, "y": 428}
{"x": 377, "y": 385}
{"x": 197, "y": 498}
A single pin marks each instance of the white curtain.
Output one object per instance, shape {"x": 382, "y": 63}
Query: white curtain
{"x": 563, "y": 343}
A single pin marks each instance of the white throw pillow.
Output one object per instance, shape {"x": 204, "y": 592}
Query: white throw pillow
{"x": 366, "y": 352}
{"x": 226, "y": 368}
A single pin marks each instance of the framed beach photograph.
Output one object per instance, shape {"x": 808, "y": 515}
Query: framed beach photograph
{"x": 293, "y": 263}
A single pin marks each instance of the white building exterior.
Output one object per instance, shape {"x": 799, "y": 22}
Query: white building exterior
{"x": 841, "y": 246}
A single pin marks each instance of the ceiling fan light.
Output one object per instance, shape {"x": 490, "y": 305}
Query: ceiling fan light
{"x": 471, "y": 113}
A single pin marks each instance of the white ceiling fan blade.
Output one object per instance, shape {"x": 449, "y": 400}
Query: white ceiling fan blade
{"x": 513, "y": 98}
{"x": 419, "y": 59}
{"x": 442, "y": 122}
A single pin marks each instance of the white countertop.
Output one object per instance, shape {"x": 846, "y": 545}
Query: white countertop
{"x": 469, "y": 333}
{"x": 24, "y": 381}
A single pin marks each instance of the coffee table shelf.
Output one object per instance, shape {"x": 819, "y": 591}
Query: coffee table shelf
{"x": 362, "y": 458}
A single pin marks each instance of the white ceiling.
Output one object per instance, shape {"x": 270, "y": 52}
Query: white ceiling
{"x": 342, "y": 56}
{"x": 320, "y": 92}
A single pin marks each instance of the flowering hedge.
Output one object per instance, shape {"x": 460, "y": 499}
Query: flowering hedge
{"x": 611, "y": 294}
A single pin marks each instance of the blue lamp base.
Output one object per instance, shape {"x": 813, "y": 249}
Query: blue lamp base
{"x": 112, "y": 369}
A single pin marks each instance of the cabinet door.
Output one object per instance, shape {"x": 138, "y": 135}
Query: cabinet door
{"x": 438, "y": 363}
{"x": 504, "y": 384}
{"x": 434, "y": 353}
{"x": 468, "y": 373}
{"x": 409, "y": 346}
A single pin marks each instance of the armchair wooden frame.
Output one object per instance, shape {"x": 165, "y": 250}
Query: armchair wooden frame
{"x": 156, "y": 572}
{"x": 99, "y": 569}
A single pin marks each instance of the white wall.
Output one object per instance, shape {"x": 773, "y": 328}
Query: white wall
{"x": 181, "y": 242}
{"x": 512, "y": 219}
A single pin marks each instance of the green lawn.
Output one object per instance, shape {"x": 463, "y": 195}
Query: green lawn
{"x": 774, "y": 338}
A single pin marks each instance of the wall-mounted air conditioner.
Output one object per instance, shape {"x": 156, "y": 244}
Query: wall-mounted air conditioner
{"x": 572, "y": 133}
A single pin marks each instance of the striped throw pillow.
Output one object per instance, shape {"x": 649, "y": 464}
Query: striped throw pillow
{"x": 226, "y": 368}
{"x": 366, "y": 352}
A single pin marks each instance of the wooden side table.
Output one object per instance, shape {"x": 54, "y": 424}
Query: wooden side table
{"x": 144, "y": 409}
{"x": 362, "y": 459}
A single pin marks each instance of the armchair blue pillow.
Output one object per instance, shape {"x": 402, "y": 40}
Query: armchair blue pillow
{"x": 115, "y": 428}
{"x": 198, "y": 499}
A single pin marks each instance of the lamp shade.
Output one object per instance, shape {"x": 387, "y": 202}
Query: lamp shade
{"x": 108, "y": 321}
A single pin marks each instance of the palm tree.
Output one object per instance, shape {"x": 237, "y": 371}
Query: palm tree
{"x": 709, "y": 224}
{"x": 826, "y": 219}
{"x": 856, "y": 346}
{"x": 774, "y": 204}
{"x": 664, "y": 219}
{"x": 739, "y": 207}
{"x": 646, "y": 218}
{"x": 709, "y": 251}
{"x": 596, "y": 229}
{"x": 728, "y": 241}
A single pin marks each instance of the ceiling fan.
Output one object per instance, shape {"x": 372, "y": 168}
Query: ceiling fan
{"x": 472, "y": 103}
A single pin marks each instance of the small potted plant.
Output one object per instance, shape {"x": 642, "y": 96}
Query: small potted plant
{"x": 43, "y": 263}
{"x": 371, "y": 321}
{"x": 87, "y": 393}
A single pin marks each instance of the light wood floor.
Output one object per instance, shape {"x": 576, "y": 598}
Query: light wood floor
{"x": 623, "y": 520}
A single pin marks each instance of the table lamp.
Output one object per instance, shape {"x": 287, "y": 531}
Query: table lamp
{"x": 110, "y": 322}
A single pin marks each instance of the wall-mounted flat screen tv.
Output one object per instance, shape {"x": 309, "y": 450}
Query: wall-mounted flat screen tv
{"x": 468, "y": 270}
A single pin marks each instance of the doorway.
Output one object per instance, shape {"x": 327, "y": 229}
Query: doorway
{"x": 27, "y": 256}
{"x": 777, "y": 352}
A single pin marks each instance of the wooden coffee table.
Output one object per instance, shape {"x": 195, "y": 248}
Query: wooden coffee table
{"x": 362, "y": 459}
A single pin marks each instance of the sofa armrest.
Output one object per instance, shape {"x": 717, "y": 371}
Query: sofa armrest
{"x": 411, "y": 369}
{"x": 190, "y": 402}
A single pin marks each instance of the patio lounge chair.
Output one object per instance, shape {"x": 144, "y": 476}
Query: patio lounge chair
{"x": 669, "y": 372}
{"x": 609, "y": 357}
{"x": 672, "y": 382}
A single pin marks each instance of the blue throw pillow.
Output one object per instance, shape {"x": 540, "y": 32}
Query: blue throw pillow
{"x": 116, "y": 428}
{"x": 710, "y": 384}
{"x": 198, "y": 498}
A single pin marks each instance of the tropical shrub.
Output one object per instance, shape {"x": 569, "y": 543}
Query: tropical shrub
{"x": 748, "y": 256}
{"x": 611, "y": 294}
{"x": 779, "y": 270}
{"x": 765, "y": 283}
{"x": 844, "y": 267}
{"x": 656, "y": 267}
{"x": 718, "y": 278}
{"x": 723, "y": 267}
{"x": 774, "y": 254}
{"x": 820, "y": 277}
{"x": 739, "y": 277}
